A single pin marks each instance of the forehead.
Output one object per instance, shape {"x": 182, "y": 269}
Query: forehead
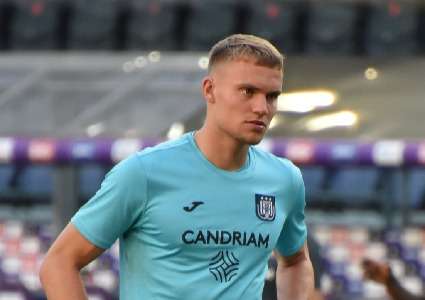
{"x": 247, "y": 71}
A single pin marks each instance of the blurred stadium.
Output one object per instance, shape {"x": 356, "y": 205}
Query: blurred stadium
{"x": 85, "y": 83}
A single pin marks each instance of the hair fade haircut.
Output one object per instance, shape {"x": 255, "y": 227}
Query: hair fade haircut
{"x": 239, "y": 46}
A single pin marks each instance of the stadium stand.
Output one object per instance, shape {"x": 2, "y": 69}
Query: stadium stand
{"x": 276, "y": 21}
{"x": 93, "y": 24}
{"x": 203, "y": 16}
{"x": 36, "y": 25}
{"x": 23, "y": 246}
{"x": 417, "y": 187}
{"x": 6, "y": 173}
{"x": 90, "y": 177}
{"x": 331, "y": 28}
{"x": 36, "y": 181}
{"x": 154, "y": 25}
{"x": 356, "y": 186}
{"x": 392, "y": 28}
{"x": 118, "y": 101}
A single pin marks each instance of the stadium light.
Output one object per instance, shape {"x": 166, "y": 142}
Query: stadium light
{"x": 154, "y": 56}
{"x": 338, "y": 119}
{"x": 371, "y": 74}
{"x": 305, "y": 101}
{"x": 128, "y": 67}
{"x": 176, "y": 130}
{"x": 203, "y": 62}
{"x": 140, "y": 62}
{"x": 95, "y": 129}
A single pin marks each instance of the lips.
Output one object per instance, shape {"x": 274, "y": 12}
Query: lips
{"x": 258, "y": 123}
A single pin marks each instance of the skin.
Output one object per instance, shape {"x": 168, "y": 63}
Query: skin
{"x": 60, "y": 271}
{"x": 376, "y": 271}
{"x": 238, "y": 94}
{"x": 381, "y": 273}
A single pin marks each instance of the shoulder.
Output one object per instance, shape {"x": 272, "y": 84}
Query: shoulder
{"x": 164, "y": 150}
{"x": 273, "y": 161}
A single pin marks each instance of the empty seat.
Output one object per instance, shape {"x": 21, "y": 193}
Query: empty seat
{"x": 416, "y": 188}
{"x": 4, "y": 20}
{"x": 313, "y": 180}
{"x": 35, "y": 24}
{"x": 153, "y": 25}
{"x": 93, "y": 24}
{"x": 90, "y": 177}
{"x": 331, "y": 28}
{"x": 354, "y": 185}
{"x": 36, "y": 181}
{"x": 6, "y": 173}
{"x": 392, "y": 28}
{"x": 275, "y": 21}
{"x": 210, "y": 21}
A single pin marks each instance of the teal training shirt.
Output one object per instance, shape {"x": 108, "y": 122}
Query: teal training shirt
{"x": 189, "y": 230}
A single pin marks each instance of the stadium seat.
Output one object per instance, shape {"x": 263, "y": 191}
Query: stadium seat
{"x": 205, "y": 15}
{"x": 36, "y": 181}
{"x": 417, "y": 188}
{"x": 4, "y": 24}
{"x": 392, "y": 28}
{"x": 93, "y": 24}
{"x": 354, "y": 185}
{"x": 6, "y": 173}
{"x": 390, "y": 185}
{"x": 153, "y": 25}
{"x": 276, "y": 21}
{"x": 90, "y": 177}
{"x": 313, "y": 180}
{"x": 331, "y": 27}
{"x": 35, "y": 25}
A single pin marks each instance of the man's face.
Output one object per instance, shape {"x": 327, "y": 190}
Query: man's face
{"x": 242, "y": 98}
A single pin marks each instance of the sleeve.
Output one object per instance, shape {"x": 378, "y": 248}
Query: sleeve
{"x": 294, "y": 231}
{"x": 116, "y": 206}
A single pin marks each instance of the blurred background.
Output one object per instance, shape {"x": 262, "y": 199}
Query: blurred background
{"x": 85, "y": 83}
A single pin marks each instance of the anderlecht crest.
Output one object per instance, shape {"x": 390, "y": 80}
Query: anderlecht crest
{"x": 265, "y": 207}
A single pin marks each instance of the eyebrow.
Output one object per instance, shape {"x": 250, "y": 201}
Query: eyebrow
{"x": 250, "y": 86}
{"x": 274, "y": 94}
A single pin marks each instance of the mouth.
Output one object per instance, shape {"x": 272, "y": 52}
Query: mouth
{"x": 257, "y": 123}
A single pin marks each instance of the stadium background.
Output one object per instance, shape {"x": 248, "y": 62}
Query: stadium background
{"x": 85, "y": 83}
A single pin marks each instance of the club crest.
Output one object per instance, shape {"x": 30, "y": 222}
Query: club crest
{"x": 265, "y": 207}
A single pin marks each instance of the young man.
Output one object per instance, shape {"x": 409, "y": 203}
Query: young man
{"x": 198, "y": 217}
{"x": 381, "y": 273}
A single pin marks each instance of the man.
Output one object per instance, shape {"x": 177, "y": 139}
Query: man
{"x": 269, "y": 292}
{"x": 381, "y": 273}
{"x": 197, "y": 218}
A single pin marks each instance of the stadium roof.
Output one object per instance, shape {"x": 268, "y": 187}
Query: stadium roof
{"x": 143, "y": 95}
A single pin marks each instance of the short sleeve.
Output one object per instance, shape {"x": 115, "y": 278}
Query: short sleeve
{"x": 294, "y": 231}
{"x": 116, "y": 206}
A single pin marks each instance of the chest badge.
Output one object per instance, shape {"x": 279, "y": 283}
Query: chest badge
{"x": 265, "y": 207}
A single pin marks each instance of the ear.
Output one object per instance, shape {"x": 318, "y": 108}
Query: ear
{"x": 208, "y": 89}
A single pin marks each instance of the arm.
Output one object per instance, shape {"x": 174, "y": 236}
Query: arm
{"x": 294, "y": 276}
{"x": 381, "y": 273}
{"x": 60, "y": 270}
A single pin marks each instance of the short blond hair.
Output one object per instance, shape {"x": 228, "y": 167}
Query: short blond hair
{"x": 246, "y": 46}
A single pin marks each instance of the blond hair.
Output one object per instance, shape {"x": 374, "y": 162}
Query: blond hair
{"x": 246, "y": 46}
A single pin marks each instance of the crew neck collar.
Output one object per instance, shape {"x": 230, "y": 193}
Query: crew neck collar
{"x": 243, "y": 172}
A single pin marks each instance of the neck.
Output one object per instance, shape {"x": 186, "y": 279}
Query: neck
{"x": 220, "y": 149}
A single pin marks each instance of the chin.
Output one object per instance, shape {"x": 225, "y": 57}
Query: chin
{"x": 253, "y": 139}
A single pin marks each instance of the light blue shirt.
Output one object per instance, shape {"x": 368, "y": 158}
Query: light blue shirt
{"x": 189, "y": 230}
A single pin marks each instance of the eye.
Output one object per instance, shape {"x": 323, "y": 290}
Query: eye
{"x": 272, "y": 98}
{"x": 247, "y": 92}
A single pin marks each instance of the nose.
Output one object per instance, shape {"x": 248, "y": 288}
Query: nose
{"x": 260, "y": 105}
